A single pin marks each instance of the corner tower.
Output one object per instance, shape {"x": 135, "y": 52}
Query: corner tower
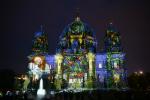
{"x": 38, "y": 66}
{"x": 116, "y": 71}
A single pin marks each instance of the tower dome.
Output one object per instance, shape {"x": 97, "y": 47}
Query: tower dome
{"x": 112, "y": 39}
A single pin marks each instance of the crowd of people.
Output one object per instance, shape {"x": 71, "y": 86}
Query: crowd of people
{"x": 84, "y": 95}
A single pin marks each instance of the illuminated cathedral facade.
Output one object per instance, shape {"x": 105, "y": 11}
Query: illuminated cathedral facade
{"x": 76, "y": 63}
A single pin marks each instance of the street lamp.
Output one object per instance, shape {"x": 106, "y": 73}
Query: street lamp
{"x": 140, "y": 72}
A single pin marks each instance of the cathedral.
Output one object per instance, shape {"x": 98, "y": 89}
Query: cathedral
{"x": 76, "y": 63}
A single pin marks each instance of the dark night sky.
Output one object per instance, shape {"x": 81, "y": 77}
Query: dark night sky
{"x": 19, "y": 19}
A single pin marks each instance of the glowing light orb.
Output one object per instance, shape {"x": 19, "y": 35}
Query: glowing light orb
{"x": 38, "y": 60}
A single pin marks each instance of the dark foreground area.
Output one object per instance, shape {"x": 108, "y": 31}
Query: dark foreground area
{"x": 85, "y": 95}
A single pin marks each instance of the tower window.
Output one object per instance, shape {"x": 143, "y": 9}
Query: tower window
{"x": 100, "y": 65}
{"x": 50, "y": 66}
{"x": 115, "y": 65}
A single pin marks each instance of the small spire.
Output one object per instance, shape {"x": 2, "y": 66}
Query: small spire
{"x": 110, "y": 21}
{"x": 77, "y": 12}
{"x": 77, "y": 18}
{"x": 41, "y": 28}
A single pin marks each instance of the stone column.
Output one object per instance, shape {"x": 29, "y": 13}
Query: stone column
{"x": 58, "y": 80}
{"x": 91, "y": 59}
{"x": 91, "y": 73}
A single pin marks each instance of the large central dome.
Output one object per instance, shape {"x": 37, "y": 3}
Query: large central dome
{"x": 77, "y": 38}
{"x": 77, "y": 27}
